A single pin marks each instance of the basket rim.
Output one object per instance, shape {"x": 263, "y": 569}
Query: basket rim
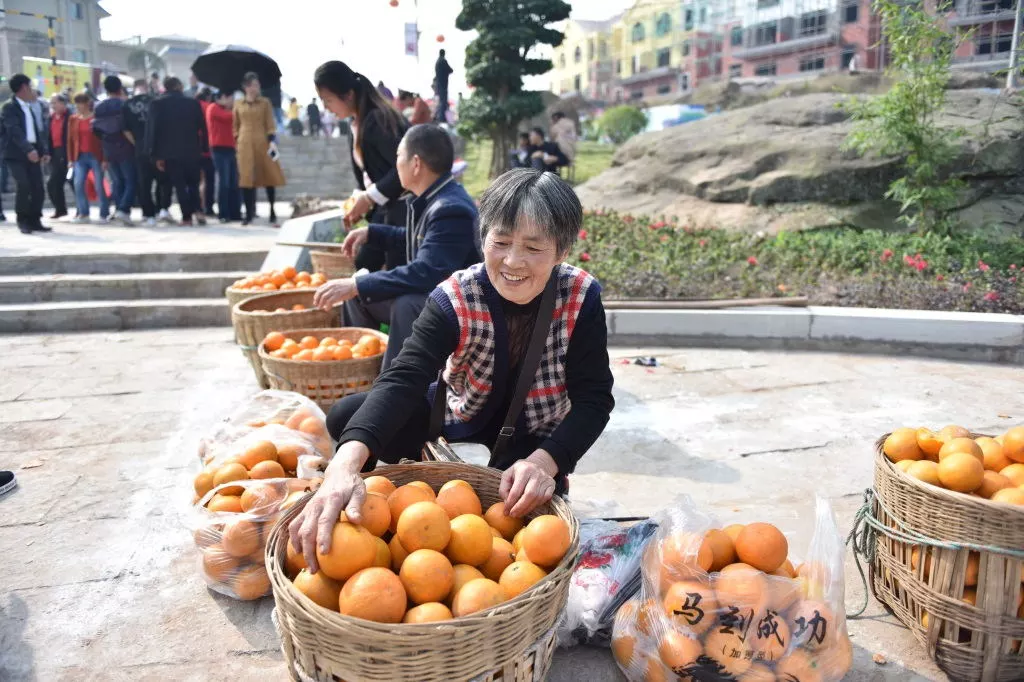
{"x": 236, "y": 309}
{"x": 265, "y": 356}
{"x": 259, "y": 292}
{"x": 273, "y": 560}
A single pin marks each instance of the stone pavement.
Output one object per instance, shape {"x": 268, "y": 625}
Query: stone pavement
{"x": 100, "y": 581}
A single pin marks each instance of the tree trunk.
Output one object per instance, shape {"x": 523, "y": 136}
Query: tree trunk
{"x": 501, "y": 143}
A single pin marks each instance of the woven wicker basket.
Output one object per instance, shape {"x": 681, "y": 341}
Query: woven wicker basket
{"x": 236, "y": 296}
{"x": 324, "y": 382}
{"x": 254, "y": 318}
{"x": 969, "y": 642}
{"x": 332, "y": 264}
{"x": 512, "y": 642}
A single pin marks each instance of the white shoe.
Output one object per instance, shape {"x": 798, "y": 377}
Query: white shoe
{"x": 124, "y": 219}
{"x": 165, "y": 216}
{"x": 81, "y": 220}
{"x": 150, "y": 222}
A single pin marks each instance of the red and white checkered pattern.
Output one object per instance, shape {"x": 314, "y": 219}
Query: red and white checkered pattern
{"x": 470, "y": 369}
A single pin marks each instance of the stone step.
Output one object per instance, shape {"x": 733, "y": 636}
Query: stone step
{"x": 121, "y": 263}
{"x": 152, "y": 285}
{"x": 77, "y": 316}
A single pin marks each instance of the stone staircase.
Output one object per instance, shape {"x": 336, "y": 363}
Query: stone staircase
{"x": 84, "y": 292}
{"x": 317, "y": 166}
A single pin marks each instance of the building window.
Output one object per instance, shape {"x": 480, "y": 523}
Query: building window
{"x": 685, "y": 82}
{"x": 812, "y": 63}
{"x": 688, "y": 20}
{"x": 602, "y": 50}
{"x": 590, "y": 50}
{"x": 736, "y": 36}
{"x": 664, "y": 56}
{"x": 576, "y": 84}
{"x": 618, "y": 67}
{"x": 813, "y": 23}
{"x": 577, "y": 55}
{"x": 664, "y": 25}
{"x": 77, "y": 11}
{"x": 561, "y": 60}
{"x": 686, "y": 48}
{"x": 764, "y": 34}
{"x": 850, "y": 13}
{"x": 638, "y": 32}
{"x": 765, "y": 69}
{"x": 635, "y": 65}
{"x": 636, "y": 94}
{"x": 664, "y": 89}
{"x": 988, "y": 6}
{"x": 703, "y": 16}
{"x": 79, "y": 56}
{"x": 986, "y": 43}
{"x": 765, "y": 4}
{"x": 847, "y": 56}
{"x": 735, "y": 70}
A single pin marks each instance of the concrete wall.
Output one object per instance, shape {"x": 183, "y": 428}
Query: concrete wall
{"x": 316, "y": 166}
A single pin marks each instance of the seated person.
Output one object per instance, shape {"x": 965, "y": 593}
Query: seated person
{"x": 520, "y": 156}
{"x": 413, "y": 108}
{"x": 440, "y": 237}
{"x": 544, "y": 155}
{"x": 563, "y": 133}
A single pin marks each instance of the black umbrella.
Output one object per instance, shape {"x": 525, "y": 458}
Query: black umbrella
{"x": 223, "y": 67}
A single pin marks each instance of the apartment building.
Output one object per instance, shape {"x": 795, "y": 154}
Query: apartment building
{"x": 76, "y": 31}
{"x": 988, "y": 27}
{"x": 583, "y": 62}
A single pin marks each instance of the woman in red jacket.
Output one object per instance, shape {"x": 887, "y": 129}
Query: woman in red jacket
{"x": 219, "y": 121}
{"x": 86, "y": 153}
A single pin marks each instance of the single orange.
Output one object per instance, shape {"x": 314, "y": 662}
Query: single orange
{"x": 293, "y": 561}
{"x": 967, "y": 445}
{"x": 352, "y": 549}
{"x": 241, "y": 537}
{"x": 317, "y": 586}
{"x": 520, "y": 576}
{"x": 1014, "y": 472}
{"x": 322, "y": 354}
{"x": 463, "y": 574}
{"x": 929, "y": 442}
{"x": 379, "y": 484}
{"x": 231, "y": 504}
{"x": 288, "y": 456}
{"x": 1013, "y": 444}
{"x": 427, "y": 576}
{"x": 961, "y": 471}
{"x": 303, "y": 355}
{"x": 341, "y": 353}
{"x": 501, "y": 558}
{"x": 431, "y": 612}
{"x": 260, "y": 451}
{"x": 273, "y": 340}
{"x": 902, "y": 444}
{"x": 424, "y": 525}
{"x": 376, "y": 514}
{"x": 458, "y": 500}
{"x": 251, "y": 582}
{"x": 723, "y": 550}
{"x": 401, "y": 499}
{"x": 298, "y": 307}
{"x": 383, "y": 558}
{"x": 992, "y": 483}
{"x": 269, "y": 469}
{"x": 924, "y": 470}
{"x": 426, "y": 488}
{"x": 546, "y": 539}
{"x": 288, "y": 272}
{"x": 398, "y": 554}
{"x": 477, "y": 595}
{"x": 374, "y": 594}
{"x": 678, "y": 650}
{"x": 260, "y": 498}
{"x": 992, "y": 454}
{"x": 1009, "y": 496}
{"x": 470, "y": 541}
{"x": 507, "y": 525}
{"x": 309, "y": 342}
{"x": 762, "y": 546}
{"x": 328, "y": 341}
{"x": 691, "y": 605}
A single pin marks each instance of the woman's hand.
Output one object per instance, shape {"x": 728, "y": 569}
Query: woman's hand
{"x": 354, "y": 241}
{"x": 528, "y": 483}
{"x": 334, "y": 292}
{"x": 360, "y": 208}
{"x": 342, "y": 490}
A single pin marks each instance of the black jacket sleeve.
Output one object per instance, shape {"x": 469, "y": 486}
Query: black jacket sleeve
{"x": 589, "y": 383}
{"x": 152, "y": 123}
{"x": 380, "y": 154}
{"x": 12, "y": 120}
{"x": 396, "y": 392}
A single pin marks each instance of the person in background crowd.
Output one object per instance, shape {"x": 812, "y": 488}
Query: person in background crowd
{"x": 442, "y": 71}
{"x": 118, "y": 152}
{"x": 294, "y": 123}
{"x": 176, "y": 139}
{"x": 135, "y": 113}
{"x": 313, "y": 116}
{"x": 25, "y": 148}
{"x": 440, "y": 237}
{"x": 220, "y": 125}
{"x": 155, "y": 86}
{"x": 208, "y": 173}
{"x": 86, "y": 154}
{"x": 193, "y": 86}
{"x": 273, "y": 93}
{"x": 256, "y": 141}
{"x": 384, "y": 91}
{"x": 374, "y": 134}
{"x": 544, "y": 155}
{"x": 563, "y": 133}
{"x": 329, "y": 121}
{"x": 520, "y": 156}
{"x": 58, "y": 155}
{"x": 420, "y": 112}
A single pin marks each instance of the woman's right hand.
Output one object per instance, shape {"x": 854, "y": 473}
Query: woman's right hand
{"x": 342, "y": 490}
{"x": 354, "y": 241}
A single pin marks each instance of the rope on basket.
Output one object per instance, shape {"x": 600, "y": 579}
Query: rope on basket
{"x": 866, "y": 527}
{"x": 245, "y": 347}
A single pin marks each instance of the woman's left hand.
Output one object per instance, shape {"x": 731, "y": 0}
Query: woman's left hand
{"x": 334, "y": 292}
{"x": 528, "y": 483}
{"x": 359, "y": 209}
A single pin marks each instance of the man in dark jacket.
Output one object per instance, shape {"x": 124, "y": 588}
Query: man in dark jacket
{"x": 176, "y": 139}
{"x": 545, "y": 155}
{"x": 442, "y": 70}
{"x": 441, "y": 236}
{"x": 135, "y": 113}
{"x": 313, "y": 114}
{"x": 118, "y": 151}
{"x": 25, "y": 147}
{"x": 58, "y": 155}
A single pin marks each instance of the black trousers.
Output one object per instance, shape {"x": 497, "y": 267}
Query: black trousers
{"x": 398, "y": 313}
{"x": 209, "y": 184}
{"x": 28, "y": 203}
{"x": 58, "y": 178}
{"x": 148, "y": 175}
{"x": 184, "y": 175}
{"x": 249, "y": 199}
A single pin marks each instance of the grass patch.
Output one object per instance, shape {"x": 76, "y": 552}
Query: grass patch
{"x": 591, "y": 159}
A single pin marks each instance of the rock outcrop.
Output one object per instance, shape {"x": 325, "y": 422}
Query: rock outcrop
{"x": 780, "y": 165}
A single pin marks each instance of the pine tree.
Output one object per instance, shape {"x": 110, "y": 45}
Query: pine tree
{"x": 496, "y": 62}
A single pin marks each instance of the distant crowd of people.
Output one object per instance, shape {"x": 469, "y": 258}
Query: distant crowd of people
{"x": 546, "y": 153}
{"x": 211, "y": 150}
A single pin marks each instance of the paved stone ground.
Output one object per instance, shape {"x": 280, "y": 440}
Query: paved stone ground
{"x": 99, "y": 579}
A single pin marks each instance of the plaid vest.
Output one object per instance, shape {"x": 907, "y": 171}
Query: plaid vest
{"x": 470, "y": 369}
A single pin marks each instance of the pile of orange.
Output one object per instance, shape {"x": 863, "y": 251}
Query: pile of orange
{"x": 990, "y": 468}
{"x": 730, "y": 604}
{"x": 421, "y": 557}
{"x": 327, "y": 349}
{"x": 280, "y": 280}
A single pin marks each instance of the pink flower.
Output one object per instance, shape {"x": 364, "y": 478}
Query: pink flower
{"x": 664, "y": 238}
{"x": 967, "y": 286}
{"x": 628, "y": 219}
{"x": 939, "y": 278}
{"x": 751, "y": 261}
{"x": 582, "y": 234}
{"x": 920, "y": 265}
{"x": 1013, "y": 266}
{"x": 585, "y": 257}
{"x": 1013, "y": 280}
{"x": 991, "y": 296}
{"x": 703, "y": 242}
{"x": 982, "y": 266}
{"x": 886, "y": 255}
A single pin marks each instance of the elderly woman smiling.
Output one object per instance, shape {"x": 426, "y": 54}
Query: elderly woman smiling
{"x": 476, "y": 330}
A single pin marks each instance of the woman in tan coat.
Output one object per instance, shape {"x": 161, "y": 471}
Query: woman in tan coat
{"x": 256, "y": 147}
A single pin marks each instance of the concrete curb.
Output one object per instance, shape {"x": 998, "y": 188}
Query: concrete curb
{"x": 987, "y": 337}
{"x": 79, "y": 316}
{"x": 129, "y": 263}
{"x": 136, "y": 287}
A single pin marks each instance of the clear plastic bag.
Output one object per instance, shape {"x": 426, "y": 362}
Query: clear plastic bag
{"x": 608, "y": 574}
{"x": 736, "y": 624}
{"x": 230, "y": 526}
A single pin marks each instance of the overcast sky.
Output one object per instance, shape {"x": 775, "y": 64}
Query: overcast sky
{"x": 302, "y": 34}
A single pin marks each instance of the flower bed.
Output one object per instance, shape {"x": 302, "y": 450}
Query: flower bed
{"x": 638, "y": 258}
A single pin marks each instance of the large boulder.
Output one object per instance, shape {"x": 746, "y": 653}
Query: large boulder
{"x": 781, "y": 165}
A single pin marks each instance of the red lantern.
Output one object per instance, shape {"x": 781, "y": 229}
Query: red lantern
{"x": 440, "y": 38}
{"x": 393, "y": 3}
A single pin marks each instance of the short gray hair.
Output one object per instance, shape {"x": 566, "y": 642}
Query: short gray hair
{"x": 541, "y": 198}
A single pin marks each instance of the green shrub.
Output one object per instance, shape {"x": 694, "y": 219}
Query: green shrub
{"x": 622, "y": 122}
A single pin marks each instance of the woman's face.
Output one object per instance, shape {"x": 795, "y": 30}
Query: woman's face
{"x": 253, "y": 88}
{"x": 339, "y": 106}
{"x": 82, "y": 108}
{"x": 519, "y": 263}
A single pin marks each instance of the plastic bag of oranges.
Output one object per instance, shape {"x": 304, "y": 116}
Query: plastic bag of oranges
{"x": 728, "y": 604}
{"x": 230, "y": 526}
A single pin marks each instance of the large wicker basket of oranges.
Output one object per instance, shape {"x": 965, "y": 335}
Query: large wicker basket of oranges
{"x": 949, "y": 554}
{"x": 324, "y": 365}
{"x": 446, "y": 599}
{"x": 286, "y": 279}
{"x": 258, "y": 316}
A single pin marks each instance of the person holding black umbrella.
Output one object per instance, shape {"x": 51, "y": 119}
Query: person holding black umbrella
{"x": 256, "y": 138}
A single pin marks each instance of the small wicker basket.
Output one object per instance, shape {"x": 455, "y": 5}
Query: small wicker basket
{"x": 921, "y": 565}
{"x": 332, "y": 264}
{"x": 324, "y": 382}
{"x": 236, "y": 296}
{"x": 254, "y": 318}
{"x": 513, "y": 642}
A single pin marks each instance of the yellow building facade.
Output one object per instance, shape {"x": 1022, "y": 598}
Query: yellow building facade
{"x": 583, "y": 62}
